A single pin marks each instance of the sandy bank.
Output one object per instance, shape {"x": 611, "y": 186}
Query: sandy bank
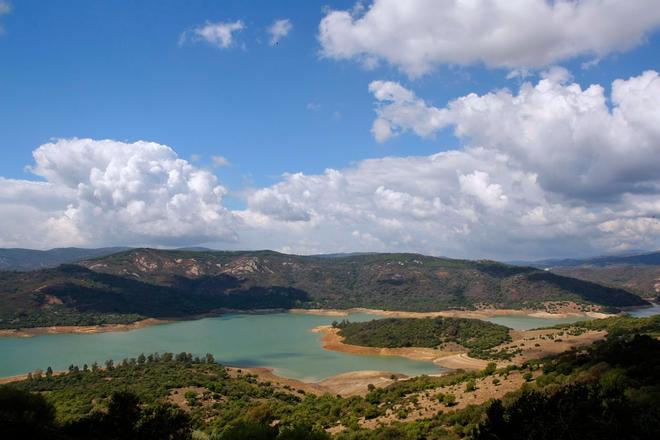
{"x": 357, "y": 382}
{"x": 447, "y": 359}
{"x": 568, "y": 310}
{"x": 267, "y": 375}
{"x": 530, "y": 344}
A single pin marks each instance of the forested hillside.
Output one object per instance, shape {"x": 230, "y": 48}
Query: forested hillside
{"x": 160, "y": 283}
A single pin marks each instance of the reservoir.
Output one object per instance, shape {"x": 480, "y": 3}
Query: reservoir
{"x": 282, "y": 341}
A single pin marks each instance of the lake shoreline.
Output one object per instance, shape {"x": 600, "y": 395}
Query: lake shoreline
{"x": 534, "y": 344}
{"x": 454, "y": 313}
{"x": 474, "y": 314}
{"x": 347, "y": 384}
{"x": 453, "y": 360}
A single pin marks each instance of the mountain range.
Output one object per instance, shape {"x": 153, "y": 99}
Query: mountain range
{"x": 138, "y": 283}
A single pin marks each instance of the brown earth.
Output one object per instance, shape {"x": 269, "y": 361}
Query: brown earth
{"x": 428, "y": 404}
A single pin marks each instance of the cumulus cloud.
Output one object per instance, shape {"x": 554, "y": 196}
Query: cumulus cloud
{"x": 220, "y": 161}
{"x": 279, "y": 30}
{"x": 471, "y": 203}
{"x": 552, "y": 169}
{"x": 109, "y": 192}
{"x": 565, "y": 134}
{"x": 219, "y": 34}
{"x": 549, "y": 170}
{"x": 417, "y": 35}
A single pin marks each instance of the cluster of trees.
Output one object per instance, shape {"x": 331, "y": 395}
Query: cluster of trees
{"x": 479, "y": 337}
{"x": 609, "y": 391}
{"x": 620, "y": 325}
{"x": 30, "y": 415}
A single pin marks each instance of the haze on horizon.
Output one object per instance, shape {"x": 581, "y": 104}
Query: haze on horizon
{"x": 443, "y": 128}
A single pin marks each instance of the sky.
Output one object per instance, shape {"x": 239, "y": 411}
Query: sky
{"x": 504, "y": 129}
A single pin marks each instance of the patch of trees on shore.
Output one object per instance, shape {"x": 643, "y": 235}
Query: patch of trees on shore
{"x": 479, "y": 337}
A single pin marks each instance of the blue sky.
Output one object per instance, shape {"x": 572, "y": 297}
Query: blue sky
{"x": 117, "y": 70}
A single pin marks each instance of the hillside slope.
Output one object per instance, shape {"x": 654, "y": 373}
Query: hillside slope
{"x": 166, "y": 283}
{"x": 643, "y": 280}
{"x": 637, "y": 273}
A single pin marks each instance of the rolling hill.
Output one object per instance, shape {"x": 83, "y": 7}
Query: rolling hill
{"x": 138, "y": 283}
{"x": 637, "y": 259}
{"x": 638, "y": 273}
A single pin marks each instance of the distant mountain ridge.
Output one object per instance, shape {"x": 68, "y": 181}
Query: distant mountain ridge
{"x": 641, "y": 259}
{"x": 30, "y": 259}
{"x": 636, "y": 272}
{"x": 139, "y": 283}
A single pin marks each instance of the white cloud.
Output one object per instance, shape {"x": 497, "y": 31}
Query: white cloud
{"x": 567, "y": 135}
{"x": 548, "y": 171}
{"x": 108, "y": 192}
{"x": 551, "y": 169}
{"x": 220, "y": 161}
{"x": 472, "y": 203}
{"x": 220, "y": 34}
{"x": 418, "y": 35}
{"x": 279, "y": 30}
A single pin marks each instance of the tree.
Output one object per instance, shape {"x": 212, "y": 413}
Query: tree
{"x": 49, "y": 372}
{"x": 123, "y": 414}
{"x": 25, "y": 415}
{"x": 247, "y": 430}
{"x": 449, "y": 399}
{"x": 164, "y": 422}
{"x": 141, "y": 359}
{"x": 210, "y": 359}
{"x": 490, "y": 369}
{"x": 109, "y": 365}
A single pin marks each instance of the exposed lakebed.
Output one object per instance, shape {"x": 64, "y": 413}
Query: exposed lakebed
{"x": 282, "y": 341}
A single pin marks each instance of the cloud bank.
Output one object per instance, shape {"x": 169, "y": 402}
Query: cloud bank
{"x": 418, "y": 35}
{"x": 108, "y": 192}
{"x": 550, "y": 169}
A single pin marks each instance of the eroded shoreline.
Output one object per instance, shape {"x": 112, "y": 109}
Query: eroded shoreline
{"x": 533, "y": 344}
{"x": 476, "y": 314}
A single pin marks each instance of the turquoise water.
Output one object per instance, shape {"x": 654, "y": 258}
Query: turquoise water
{"x": 282, "y": 341}
{"x": 529, "y": 322}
